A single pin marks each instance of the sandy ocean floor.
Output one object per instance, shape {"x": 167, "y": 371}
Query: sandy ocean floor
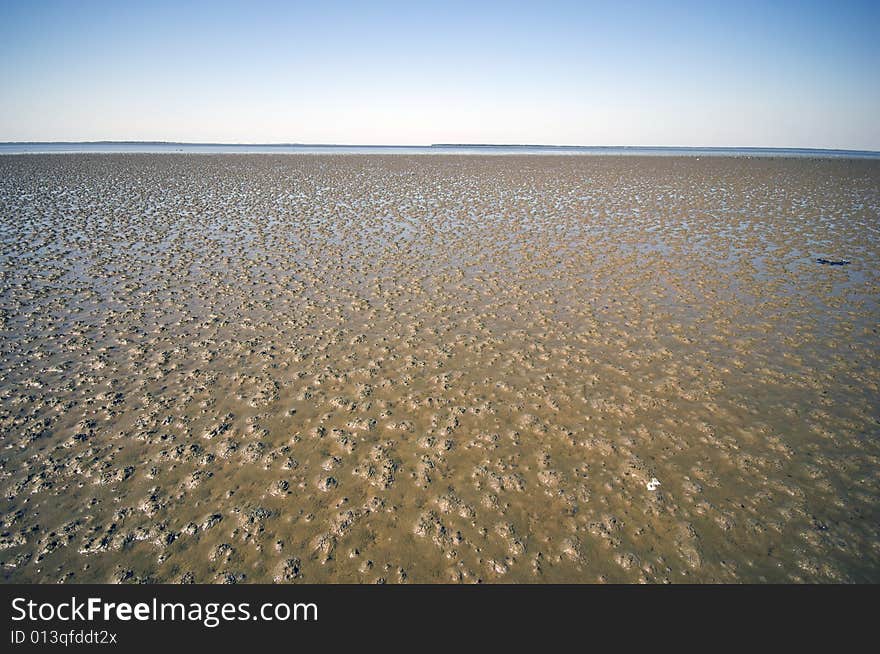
{"x": 248, "y": 368}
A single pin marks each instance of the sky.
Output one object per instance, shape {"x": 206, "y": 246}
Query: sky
{"x": 762, "y": 74}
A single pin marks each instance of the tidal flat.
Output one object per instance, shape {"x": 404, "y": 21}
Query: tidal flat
{"x": 357, "y": 368}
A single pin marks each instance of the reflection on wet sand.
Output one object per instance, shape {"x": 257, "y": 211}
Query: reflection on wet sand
{"x": 439, "y": 369}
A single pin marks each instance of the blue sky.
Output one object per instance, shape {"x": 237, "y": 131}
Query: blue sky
{"x": 784, "y": 74}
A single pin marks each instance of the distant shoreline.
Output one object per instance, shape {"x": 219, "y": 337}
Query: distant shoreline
{"x": 160, "y": 147}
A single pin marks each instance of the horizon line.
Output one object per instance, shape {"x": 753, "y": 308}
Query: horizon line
{"x": 446, "y": 145}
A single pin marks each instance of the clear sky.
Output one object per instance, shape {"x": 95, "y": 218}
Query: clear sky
{"x": 763, "y": 73}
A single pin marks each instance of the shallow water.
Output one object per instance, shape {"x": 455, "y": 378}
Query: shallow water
{"x": 432, "y": 369}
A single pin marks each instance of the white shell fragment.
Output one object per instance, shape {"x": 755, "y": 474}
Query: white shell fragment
{"x": 654, "y": 484}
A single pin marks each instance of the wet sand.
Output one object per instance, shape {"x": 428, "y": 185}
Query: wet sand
{"x": 251, "y": 368}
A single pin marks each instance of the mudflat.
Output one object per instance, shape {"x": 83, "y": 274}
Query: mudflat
{"x": 251, "y": 368}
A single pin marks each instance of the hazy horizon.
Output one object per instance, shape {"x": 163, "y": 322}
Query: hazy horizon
{"x": 434, "y": 144}
{"x": 642, "y": 74}
{"x": 425, "y": 146}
